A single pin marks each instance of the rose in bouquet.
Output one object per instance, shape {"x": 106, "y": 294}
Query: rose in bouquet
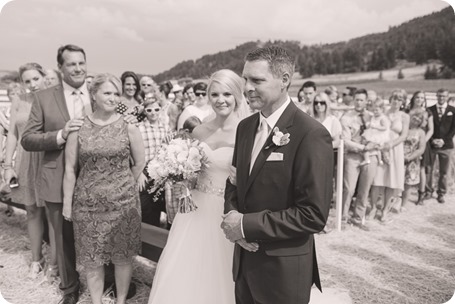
{"x": 174, "y": 167}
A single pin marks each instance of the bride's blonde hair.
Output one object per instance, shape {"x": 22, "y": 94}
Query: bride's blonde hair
{"x": 235, "y": 84}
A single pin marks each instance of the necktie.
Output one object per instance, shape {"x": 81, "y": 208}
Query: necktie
{"x": 363, "y": 126}
{"x": 259, "y": 141}
{"x": 440, "y": 112}
{"x": 78, "y": 105}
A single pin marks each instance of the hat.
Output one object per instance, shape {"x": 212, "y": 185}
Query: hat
{"x": 176, "y": 88}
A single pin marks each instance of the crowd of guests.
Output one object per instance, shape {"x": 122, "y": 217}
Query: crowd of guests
{"x": 391, "y": 144}
{"x": 66, "y": 177}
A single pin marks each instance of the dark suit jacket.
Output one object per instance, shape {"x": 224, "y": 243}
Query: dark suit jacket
{"x": 48, "y": 115}
{"x": 284, "y": 202}
{"x": 444, "y": 128}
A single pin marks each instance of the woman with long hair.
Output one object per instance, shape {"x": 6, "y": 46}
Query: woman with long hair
{"x": 23, "y": 176}
{"x": 205, "y": 276}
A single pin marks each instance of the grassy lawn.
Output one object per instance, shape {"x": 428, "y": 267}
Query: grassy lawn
{"x": 410, "y": 260}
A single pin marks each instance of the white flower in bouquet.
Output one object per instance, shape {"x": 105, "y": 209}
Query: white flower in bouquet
{"x": 176, "y": 163}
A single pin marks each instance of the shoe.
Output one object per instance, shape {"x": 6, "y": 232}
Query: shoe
{"x": 427, "y": 196}
{"x": 70, "y": 298}
{"x": 358, "y": 224}
{"x": 326, "y": 230}
{"x": 36, "y": 268}
{"x": 385, "y": 219}
{"x": 420, "y": 199}
{"x": 441, "y": 199}
{"x": 52, "y": 273}
{"x": 131, "y": 290}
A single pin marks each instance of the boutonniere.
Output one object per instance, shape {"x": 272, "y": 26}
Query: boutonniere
{"x": 279, "y": 139}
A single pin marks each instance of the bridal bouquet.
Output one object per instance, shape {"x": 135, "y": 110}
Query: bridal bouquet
{"x": 172, "y": 169}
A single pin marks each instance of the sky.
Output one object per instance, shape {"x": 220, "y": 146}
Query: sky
{"x": 151, "y": 36}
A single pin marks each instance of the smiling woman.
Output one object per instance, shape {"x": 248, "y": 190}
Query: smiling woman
{"x": 103, "y": 200}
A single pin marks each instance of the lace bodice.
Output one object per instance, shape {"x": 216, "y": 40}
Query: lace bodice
{"x": 213, "y": 179}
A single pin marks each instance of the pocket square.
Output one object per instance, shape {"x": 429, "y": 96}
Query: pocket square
{"x": 275, "y": 156}
{"x": 450, "y": 114}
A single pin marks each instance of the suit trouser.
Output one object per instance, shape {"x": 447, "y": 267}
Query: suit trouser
{"x": 444, "y": 165}
{"x": 66, "y": 254}
{"x": 353, "y": 171}
{"x": 267, "y": 279}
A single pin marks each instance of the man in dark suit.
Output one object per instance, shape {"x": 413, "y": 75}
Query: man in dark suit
{"x": 441, "y": 143}
{"x": 56, "y": 112}
{"x": 282, "y": 191}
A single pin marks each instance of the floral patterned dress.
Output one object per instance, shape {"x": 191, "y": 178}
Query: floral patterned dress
{"x": 106, "y": 207}
{"x": 412, "y": 170}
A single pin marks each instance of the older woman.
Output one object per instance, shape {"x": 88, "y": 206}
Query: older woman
{"x": 103, "y": 201}
{"x": 26, "y": 168}
{"x": 388, "y": 183}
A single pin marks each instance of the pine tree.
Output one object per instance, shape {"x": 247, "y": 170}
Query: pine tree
{"x": 400, "y": 74}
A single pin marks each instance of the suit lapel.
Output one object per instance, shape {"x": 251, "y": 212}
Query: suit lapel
{"x": 283, "y": 123}
{"x": 61, "y": 103}
{"x": 247, "y": 148}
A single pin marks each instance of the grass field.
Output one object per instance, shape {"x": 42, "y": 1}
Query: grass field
{"x": 408, "y": 261}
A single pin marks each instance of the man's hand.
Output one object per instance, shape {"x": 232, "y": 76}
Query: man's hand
{"x": 231, "y": 226}
{"x": 252, "y": 247}
{"x": 71, "y": 126}
{"x": 438, "y": 142}
{"x": 142, "y": 181}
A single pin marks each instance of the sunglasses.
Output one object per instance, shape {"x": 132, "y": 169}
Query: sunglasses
{"x": 322, "y": 103}
{"x": 151, "y": 110}
{"x": 200, "y": 94}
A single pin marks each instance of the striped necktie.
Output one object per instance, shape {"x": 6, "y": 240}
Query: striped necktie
{"x": 78, "y": 105}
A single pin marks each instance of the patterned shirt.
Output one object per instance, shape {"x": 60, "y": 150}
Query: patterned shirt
{"x": 153, "y": 137}
{"x": 352, "y": 125}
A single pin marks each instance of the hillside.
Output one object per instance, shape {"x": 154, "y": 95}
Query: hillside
{"x": 418, "y": 40}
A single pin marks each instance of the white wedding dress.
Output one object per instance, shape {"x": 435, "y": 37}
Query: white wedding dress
{"x": 196, "y": 264}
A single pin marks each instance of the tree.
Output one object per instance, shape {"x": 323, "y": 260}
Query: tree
{"x": 400, "y": 74}
{"x": 380, "y": 76}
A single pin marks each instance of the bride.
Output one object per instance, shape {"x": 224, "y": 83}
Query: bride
{"x": 196, "y": 264}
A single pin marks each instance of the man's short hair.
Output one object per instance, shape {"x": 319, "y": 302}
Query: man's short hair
{"x": 309, "y": 84}
{"x": 277, "y": 57}
{"x": 70, "y": 48}
{"x": 200, "y": 86}
{"x": 442, "y": 90}
{"x": 187, "y": 87}
{"x": 360, "y": 91}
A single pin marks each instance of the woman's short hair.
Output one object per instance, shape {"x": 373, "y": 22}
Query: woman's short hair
{"x": 99, "y": 79}
{"x": 200, "y": 86}
{"x": 133, "y": 75}
{"x": 31, "y": 66}
{"x": 149, "y": 102}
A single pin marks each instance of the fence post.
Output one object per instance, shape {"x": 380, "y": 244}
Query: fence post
{"x": 339, "y": 186}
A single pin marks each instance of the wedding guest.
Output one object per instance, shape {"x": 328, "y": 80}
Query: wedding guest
{"x": 354, "y": 123}
{"x": 176, "y": 109}
{"x": 414, "y": 146}
{"x": 56, "y": 112}
{"x": 418, "y": 105}
{"x": 188, "y": 95}
{"x": 377, "y": 132}
{"x": 388, "y": 183}
{"x": 130, "y": 102}
{"x": 147, "y": 87}
{"x": 322, "y": 113}
{"x": 52, "y": 78}
{"x": 154, "y": 134}
{"x": 308, "y": 92}
{"x": 441, "y": 142}
{"x": 26, "y": 169}
{"x": 89, "y": 79}
{"x": 169, "y": 113}
{"x": 103, "y": 201}
{"x": 191, "y": 123}
{"x": 200, "y": 108}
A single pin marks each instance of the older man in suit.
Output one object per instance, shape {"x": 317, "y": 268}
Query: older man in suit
{"x": 441, "y": 142}
{"x": 282, "y": 190}
{"x": 56, "y": 112}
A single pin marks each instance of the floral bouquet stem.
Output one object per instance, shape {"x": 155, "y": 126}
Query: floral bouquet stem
{"x": 178, "y": 199}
